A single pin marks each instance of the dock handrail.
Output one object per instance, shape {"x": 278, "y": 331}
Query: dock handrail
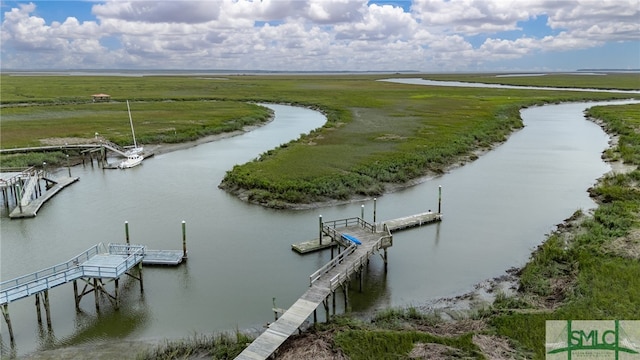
{"x": 70, "y": 270}
{"x": 75, "y": 261}
{"x": 61, "y": 273}
{"x": 342, "y": 223}
{"x": 134, "y": 253}
{"x": 331, "y": 264}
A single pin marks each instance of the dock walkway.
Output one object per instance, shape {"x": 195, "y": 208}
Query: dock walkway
{"x": 323, "y": 283}
{"x": 99, "y": 261}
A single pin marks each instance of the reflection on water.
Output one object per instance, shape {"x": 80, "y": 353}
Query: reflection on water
{"x": 497, "y": 209}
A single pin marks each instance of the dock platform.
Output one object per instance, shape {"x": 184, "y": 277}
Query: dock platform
{"x": 313, "y": 245}
{"x": 398, "y": 224}
{"x": 412, "y": 221}
{"x": 32, "y": 208}
{"x": 163, "y": 257}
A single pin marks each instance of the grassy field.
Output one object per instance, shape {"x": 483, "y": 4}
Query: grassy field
{"x": 377, "y": 133}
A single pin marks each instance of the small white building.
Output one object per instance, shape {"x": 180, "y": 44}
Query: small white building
{"x": 101, "y": 97}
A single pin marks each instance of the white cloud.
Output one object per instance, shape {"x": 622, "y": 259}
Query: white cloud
{"x": 313, "y": 34}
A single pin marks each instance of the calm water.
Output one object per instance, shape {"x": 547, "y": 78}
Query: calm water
{"x": 497, "y": 209}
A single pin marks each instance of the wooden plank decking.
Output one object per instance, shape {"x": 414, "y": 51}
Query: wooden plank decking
{"x": 322, "y": 283}
{"x": 412, "y": 221}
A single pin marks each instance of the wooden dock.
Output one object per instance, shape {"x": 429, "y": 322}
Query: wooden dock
{"x": 31, "y": 209}
{"x": 323, "y": 283}
{"x": 313, "y": 245}
{"x": 398, "y": 224}
{"x": 412, "y": 221}
{"x": 163, "y": 257}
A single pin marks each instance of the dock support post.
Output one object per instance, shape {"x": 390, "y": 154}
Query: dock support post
{"x": 140, "y": 275}
{"x": 184, "y": 239}
{"x": 75, "y": 294}
{"x": 47, "y": 309}
{"x": 7, "y": 319}
{"x": 19, "y": 197}
{"x": 345, "y": 290}
{"x": 374, "y": 210}
{"x": 126, "y": 231}
{"x": 38, "y": 311}
{"x": 385, "y": 259}
{"x": 333, "y": 300}
{"x": 360, "y": 273}
{"x": 315, "y": 316}
{"x": 117, "y": 298}
{"x": 439, "y": 199}
{"x": 320, "y": 232}
{"x": 325, "y": 303}
{"x": 95, "y": 293}
{"x": 362, "y": 212}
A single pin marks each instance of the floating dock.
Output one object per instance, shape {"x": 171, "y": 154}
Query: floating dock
{"x": 313, "y": 245}
{"x": 163, "y": 257}
{"x": 412, "y": 221}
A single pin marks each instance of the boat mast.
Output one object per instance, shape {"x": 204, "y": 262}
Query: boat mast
{"x": 135, "y": 144}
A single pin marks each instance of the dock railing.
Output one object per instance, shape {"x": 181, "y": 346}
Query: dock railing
{"x": 330, "y": 228}
{"x": 52, "y": 276}
{"x": 342, "y": 223}
{"x": 134, "y": 253}
{"x": 331, "y": 264}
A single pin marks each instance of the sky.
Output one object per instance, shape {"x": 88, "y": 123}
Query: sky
{"x": 322, "y": 35}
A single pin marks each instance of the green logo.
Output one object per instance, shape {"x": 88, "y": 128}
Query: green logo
{"x": 593, "y": 339}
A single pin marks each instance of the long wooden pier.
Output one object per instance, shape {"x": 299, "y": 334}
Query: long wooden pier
{"x": 325, "y": 281}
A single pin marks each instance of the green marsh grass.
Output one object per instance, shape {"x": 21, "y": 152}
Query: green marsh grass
{"x": 377, "y": 133}
{"x": 220, "y": 346}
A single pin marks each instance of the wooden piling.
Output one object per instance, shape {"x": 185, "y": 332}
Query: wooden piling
{"x": 184, "y": 239}
{"x": 7, "y": 319}
{"x": 75, "y": 294}
{"x": 95, "y": 293}
{"x": 126, "y": 231}
{"x": 140, "y": 275}
{"x": 362, "y": 212}
{"x": 116, "y": 297}
{"x": 333, "y": 300}
{"x": 47, "y": 309}
{"x": 325, "y": 303}
{"x": 439, "y": 199}
{"x": 320, "y": 232}
{"x": 374, "y": 210}
{"x": 38, "y": 311}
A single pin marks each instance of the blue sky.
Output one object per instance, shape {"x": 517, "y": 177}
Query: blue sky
{"x": 322, "y": 35}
